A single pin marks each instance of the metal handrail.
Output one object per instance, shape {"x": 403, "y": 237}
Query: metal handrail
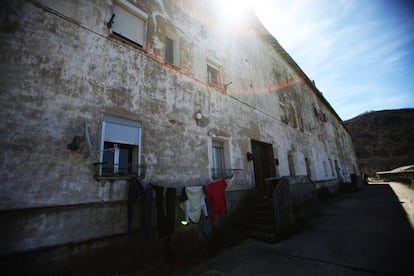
{"x": 223, "y": 173}
{"x": 106, "y": 170}
{"x": 281, "y": 202}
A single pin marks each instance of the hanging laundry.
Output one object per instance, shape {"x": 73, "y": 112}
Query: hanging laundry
{"x": 321, "y": 116}
{"x": 165, "y": 211}
{"x": 216, "y": 196}
{"x": 315, "y": 110}
{"x": 144, "y": 190}
{"x": 194, "y": 204}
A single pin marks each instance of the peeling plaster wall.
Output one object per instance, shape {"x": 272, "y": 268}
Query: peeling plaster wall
{"x": 61, "y": 68}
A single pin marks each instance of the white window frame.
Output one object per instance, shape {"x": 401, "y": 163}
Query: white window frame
{"x": 112, "y": 128}
{"x": 226, "y": 173}
{"x": 127, "y": 20}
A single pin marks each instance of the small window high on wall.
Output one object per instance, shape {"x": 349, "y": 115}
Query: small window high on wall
{"x": 129, "y": 22}
{"x": 213, "y": 73}
{"x": 120, "y": 152}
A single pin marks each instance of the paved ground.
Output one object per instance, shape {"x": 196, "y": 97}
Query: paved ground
{"x": 362, "y": 233}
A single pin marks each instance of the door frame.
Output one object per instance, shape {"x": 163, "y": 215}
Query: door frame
{"x": 264, "y": 167}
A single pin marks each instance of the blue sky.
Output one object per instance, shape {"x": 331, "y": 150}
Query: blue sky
{"x": 360, "y": 53}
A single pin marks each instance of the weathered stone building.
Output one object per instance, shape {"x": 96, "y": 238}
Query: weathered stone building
{"x": 93, "y": 92}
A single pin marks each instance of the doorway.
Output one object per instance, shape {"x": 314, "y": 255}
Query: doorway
{"x": 264, "y": 167}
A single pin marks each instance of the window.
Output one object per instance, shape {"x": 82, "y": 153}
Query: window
{"x": 120, "y": 153}
{"x": 292, "y": 116}
{"x": 291, "y": 164}
{"x": 169, "y": 50}
{"x": 324, "y": 168}
{"x": 171, "y": 47}
{"x": 220, "y": 159}
{"x": 219, "y": 166}
{"x": 308, "y": 167}
{"x": 332, "y": 170}
{"x": 213, "y": 75}
{"x": 129, "y": 22}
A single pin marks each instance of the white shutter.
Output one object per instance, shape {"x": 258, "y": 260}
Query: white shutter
{"x": 129, "y": 22}
{"x": 123, "y": 131}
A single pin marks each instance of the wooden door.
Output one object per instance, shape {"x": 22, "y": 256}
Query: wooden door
{"x": 264, "y": 167}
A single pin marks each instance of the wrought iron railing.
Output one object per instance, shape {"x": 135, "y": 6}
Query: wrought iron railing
{"x": 118, "y": 171}
{"x": 223, "y": 173}
{"x": 281, "y": 202}
{"x": 291, "y": 191}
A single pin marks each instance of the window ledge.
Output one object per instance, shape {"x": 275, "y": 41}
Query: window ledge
{"x": 216, "y": 86}
{"x": 126, "y": 41}
{"x": 226, "y": 174}
{"x": 117, "y": 176}
{"x": 172, "y": 66}
{"x": 113, "y": 177}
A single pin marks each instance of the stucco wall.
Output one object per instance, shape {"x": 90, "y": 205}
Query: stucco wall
{"x": 61, "y": 68}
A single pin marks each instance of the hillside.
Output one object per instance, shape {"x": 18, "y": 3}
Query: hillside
{"x": 383, "y": 140}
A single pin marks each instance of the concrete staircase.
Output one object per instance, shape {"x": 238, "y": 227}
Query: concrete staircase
{"x": 261, "y": 224}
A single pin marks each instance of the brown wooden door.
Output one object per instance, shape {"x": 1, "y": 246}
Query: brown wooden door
{"x": 264, "y": 167}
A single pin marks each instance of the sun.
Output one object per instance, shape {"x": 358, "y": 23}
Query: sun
{"x": 234, "y": 9}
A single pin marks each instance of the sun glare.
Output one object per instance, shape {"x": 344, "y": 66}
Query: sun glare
{"x": 234, "y": 9}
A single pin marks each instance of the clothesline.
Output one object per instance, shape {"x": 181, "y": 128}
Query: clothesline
{"x": 193, "y": 204}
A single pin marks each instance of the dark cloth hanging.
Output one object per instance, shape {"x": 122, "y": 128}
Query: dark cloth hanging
{"x": 165, "y": 211}
{"x": 183, "y": 196}
{"x": 144, "y": 191}
{"x": 315, "y": 111}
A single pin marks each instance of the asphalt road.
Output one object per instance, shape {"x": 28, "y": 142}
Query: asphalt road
{"x": 369, "y": 232}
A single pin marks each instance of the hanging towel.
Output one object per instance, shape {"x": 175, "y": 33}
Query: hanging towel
{"x": 195, "y": 202}
{"x": 216, "y": 197}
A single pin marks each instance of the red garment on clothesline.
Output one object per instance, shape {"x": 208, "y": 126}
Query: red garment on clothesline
{"x": 216, "y": 196}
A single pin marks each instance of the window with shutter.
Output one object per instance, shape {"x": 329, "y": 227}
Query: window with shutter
{"x": 129, "y": 22}
{"x": 120, "y": 153}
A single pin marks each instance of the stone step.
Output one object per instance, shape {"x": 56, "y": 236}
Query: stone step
{"x": 269, "y": 237}
{"x": 258, "y": 219}
{"x": 260, "y": 227}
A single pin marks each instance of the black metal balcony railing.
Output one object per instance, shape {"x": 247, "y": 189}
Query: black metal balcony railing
{"x": 104, "y": 170}
{"x": 223, "y": 173}
{"x": 111, "y": 170}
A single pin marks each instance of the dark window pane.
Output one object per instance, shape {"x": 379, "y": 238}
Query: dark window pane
{"x": 169, "y": 50}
